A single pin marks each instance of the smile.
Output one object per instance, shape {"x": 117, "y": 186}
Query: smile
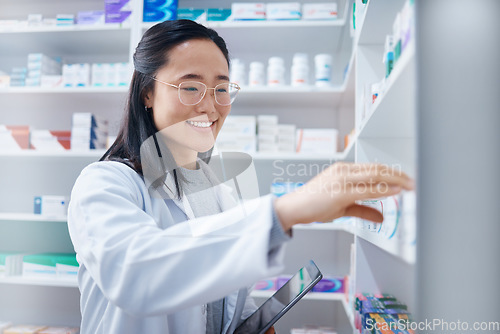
{"x": 200, "y": 124}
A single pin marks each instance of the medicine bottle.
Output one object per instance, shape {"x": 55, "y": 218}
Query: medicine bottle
{"x": 300, "y": 70}
{"x": 256, "y": 74}
{"x": 238, "y": 74}
{"x": 323, "y": 67}
{"x": 276, "y": 71}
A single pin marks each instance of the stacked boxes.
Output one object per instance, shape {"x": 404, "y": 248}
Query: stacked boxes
{"x": 76, "y": 75}
{"x": 238, "y": 134}
{"x": 50, "y": 140}
{"x": 110, "y": 74}
{"x": 159, "y": 10}
{"x": 117, "y": 11}
{"x": 381, "y": 311}
{"x": 18, "y": 76}
{"x": 14, "y": 137}
{"x": 275, "y": 137}
{"x": 11, "y": 263}
{"x": 90, "y": 17}
{"x": 41, "y": 66}
{"x": 267, "y": 127}
{"x": 87, "y": 132}
{"x": 50, "y": 265}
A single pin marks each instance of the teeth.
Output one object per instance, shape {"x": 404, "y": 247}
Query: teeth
{"x": 201, "y": 124}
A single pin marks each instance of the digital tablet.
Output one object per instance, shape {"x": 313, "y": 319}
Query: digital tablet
{"x": 281, "y": 301}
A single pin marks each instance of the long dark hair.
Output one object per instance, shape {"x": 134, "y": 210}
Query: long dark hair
{"x": 151, "y": 54}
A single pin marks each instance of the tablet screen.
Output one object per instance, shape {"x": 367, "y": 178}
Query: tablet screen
{"x": 279, "y": 303}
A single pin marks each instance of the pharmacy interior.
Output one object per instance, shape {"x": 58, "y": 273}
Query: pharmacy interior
{"x": 321, "y": 82}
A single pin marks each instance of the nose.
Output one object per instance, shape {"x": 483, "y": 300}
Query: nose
{"x": 207, "y": 103}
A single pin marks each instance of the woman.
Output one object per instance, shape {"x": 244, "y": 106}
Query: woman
{"x": 162, "y": 246}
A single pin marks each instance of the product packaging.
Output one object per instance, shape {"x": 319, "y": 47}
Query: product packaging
{"x": 266, "y": 284}
{"x": 330, "y": 284}
{"x": 24, "y": 329}
{"x": 238, "y": 134}
{"x": 88, "y": 132}
{"x": 50, "y": 265}
{"x": 248, "y": 11}
{"x": 159, "y": 10}
{"x": 60, "y": 330}
{"x": 193, "y": 14}
{"x": 323, "y": 69}
{"x": 55, "y": 206}
{"x": 316, "y": 141}
{"x": 65, "y": 19}
{"x": 14, "y": 137}
{"x": 218, "y": 14}
{"x": 256, "y": 74}
{"x": 90, "y": 17}
{"x": 319, "y": 11}
{"x": 47, "y": 140}
{"x": 283, "y": 11}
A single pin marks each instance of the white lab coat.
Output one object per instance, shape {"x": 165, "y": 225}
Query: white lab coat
{"x": 144, "y": 268}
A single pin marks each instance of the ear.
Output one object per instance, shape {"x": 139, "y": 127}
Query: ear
{"x": 148, "y": 100}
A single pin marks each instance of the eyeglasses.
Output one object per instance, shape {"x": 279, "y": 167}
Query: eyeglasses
{"x": 192, "y": 92}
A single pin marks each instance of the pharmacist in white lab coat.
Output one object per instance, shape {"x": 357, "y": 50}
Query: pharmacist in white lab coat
{"x": 162, "y": 243}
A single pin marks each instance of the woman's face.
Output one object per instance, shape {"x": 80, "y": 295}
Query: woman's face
{"x": 185, "y": 127}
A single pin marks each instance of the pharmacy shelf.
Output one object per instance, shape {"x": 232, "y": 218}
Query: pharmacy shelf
{"x": 100, "y": 153}
{"x": 266, "y": 24}
{"x": 64, "y": 90}
{"x": 392, "y": 113}
{"x": 52, "y": 154}
{"x": 21, "y": 28}
{"x": 53, "y": 281}
{"x": 396, "y": 247}
{"x": 29, "y": 217}
{"x": 310, "y": 295}
{"x": 349, "y": 312}
{"x": 97, "y": 44}
{"x": 324, "y": 227}
{"x": 376, "y": 21}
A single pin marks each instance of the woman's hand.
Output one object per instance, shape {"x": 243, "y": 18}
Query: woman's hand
{"x": 333, "y": 193}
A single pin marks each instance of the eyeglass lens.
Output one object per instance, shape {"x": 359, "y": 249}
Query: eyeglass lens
{"x": 192, "y": 92}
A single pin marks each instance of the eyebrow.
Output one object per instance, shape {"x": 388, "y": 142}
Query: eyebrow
{"x": 199, "y": 77}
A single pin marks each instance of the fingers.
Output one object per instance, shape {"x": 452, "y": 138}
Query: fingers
{"x": 369, "y": 180}
{"x": 364, "y": 212}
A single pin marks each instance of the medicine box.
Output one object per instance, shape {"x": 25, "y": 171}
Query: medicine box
{"x": 330, "y": 284}
{"x": 90, "y": 17}
{"x": 118, "y": 17}
{"x": 159, "y": 10}
{"x": 55, "y": 206}
{"x": 50, "y": 265}
{"x": 59, "y": 330}
{"x": 194, "y": 14}
{"x": 283, "y": 11}
{"x": 248, "y": 11}
{"x": 24, "y": 329}
{"x": 268, "y": 284}
{"x": 116, "y": 6}
{"x": 316, "y": 141}
{"x": 218, "y": 14}
{"x": 319, "y": 11}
